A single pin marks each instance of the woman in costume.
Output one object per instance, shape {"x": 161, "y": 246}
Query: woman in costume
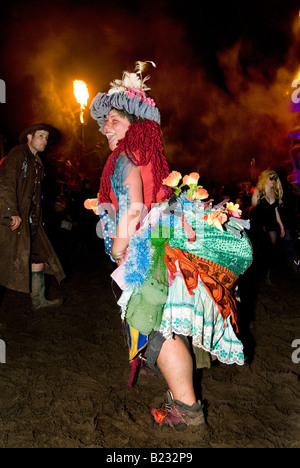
{"x": 177, "y": 262}
{"x": 266, "y": 199}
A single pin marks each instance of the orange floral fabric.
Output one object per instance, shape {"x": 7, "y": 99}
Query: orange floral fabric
{"x": 218, "y": 280}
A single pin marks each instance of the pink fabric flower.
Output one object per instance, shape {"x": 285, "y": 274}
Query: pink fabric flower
{"x": 201, "y": 194}
{"x": 150, "y": 101}
{"x": 191, "y": 179}
{"x": 233, "y": 210}
{"x": 173, "y": 179}
{"x": 216, "y": 219}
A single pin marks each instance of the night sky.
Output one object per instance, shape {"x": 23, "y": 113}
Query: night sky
{"x": 222, "y": 80}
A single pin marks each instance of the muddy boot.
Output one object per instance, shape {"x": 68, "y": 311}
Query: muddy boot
{"x": 38, "y": 292}
{"x": 177, "y": 415}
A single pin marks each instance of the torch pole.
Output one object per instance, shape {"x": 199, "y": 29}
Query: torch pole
{"x": 82, "y": 137}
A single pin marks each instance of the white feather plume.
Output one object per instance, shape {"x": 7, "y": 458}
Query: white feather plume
{"x": 132, "y": 80}
{"x": 141, "y": 66}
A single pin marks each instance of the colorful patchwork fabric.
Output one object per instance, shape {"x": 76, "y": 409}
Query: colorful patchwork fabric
{"x": 217, "y": 279}
{"x": 198, "y": 317}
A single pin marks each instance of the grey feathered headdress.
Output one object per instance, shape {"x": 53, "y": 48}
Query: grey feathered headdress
{"x": 128, "y": 94}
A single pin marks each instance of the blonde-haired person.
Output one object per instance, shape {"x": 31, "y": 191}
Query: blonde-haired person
{"x": 266, "y": 199}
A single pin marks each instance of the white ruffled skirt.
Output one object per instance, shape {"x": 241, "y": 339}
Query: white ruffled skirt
{"x": 198, "y": 316}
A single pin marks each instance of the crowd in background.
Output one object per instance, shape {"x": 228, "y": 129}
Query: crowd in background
{"x": 72, "y": 228}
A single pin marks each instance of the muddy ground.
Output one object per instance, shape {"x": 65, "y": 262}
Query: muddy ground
{"x": 64, "y": 383}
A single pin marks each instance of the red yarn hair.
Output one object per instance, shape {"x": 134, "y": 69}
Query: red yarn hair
{"x": 141, "y": 144}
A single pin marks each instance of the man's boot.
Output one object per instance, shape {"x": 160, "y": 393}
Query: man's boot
{"x": 38, "y": 292}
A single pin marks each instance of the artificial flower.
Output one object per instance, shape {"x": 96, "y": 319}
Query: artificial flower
{"x": 173, "y": 179}
{"x": 201, "y": 194}
{"x": 216, "y": 219}
{"x": 131, "y": 93}
{"x": 195, "y": 192}
{"x": 191, "y": 179}
{"x": 92, "y": 204}
{"x": 190, "y": 195}
{"x": 233, "y": 210}
{"x": 150, "y": 101}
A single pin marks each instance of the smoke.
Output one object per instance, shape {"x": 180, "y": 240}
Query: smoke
{"x": 222, "y": 129}
{"x": 212, "y": 127}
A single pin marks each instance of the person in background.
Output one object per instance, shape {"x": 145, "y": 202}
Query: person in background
{"x": 25, "y": 251}
{"x": 266, "y": 200}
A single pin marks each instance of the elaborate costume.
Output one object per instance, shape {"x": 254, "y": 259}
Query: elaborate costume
{"x": 182, "y": 262}
{"x": 185, "y": 248}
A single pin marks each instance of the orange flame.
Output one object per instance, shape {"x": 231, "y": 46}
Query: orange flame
{"x": 81, "y": 93}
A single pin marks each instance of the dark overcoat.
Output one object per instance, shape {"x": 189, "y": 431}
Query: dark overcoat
{"x": 17, "y": 179}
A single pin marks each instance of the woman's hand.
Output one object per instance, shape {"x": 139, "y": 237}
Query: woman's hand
{"x": 282, "y": 232}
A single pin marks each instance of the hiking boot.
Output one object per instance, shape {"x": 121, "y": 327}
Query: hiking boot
{"x": 177, "y": 415}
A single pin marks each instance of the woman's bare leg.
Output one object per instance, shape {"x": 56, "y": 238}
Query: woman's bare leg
{"x": 176, "y": 364}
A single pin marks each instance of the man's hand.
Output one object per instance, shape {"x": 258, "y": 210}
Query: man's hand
{"x": 15, "y": 222}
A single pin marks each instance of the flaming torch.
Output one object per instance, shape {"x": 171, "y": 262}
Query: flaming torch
{"x": 81, "y": 94}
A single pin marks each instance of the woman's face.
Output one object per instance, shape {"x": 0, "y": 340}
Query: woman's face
{"x": 271, "y": 181}
{"x": 115, "y": 127}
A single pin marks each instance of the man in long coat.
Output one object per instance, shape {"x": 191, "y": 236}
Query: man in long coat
{"x": 25, "y": 251}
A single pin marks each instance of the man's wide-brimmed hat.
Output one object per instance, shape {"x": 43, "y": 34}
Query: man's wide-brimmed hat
{"x": 53, "y": 133}
{"x": 129, "y": 95}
